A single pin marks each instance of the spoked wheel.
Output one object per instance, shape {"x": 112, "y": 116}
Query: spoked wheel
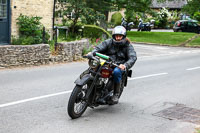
{"x": 77, "y": 104}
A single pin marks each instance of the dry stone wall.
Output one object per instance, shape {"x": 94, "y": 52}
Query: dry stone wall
{"x": 19, "y": 55}
{"x": 70, "y": 51}
{"x": 39, "y": 54}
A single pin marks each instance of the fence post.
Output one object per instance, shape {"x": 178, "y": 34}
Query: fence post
{"x": 43, "y": 35}
{"x": 55, "y": 36}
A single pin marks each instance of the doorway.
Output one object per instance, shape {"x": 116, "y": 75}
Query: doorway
{"x": 4, "y": 21}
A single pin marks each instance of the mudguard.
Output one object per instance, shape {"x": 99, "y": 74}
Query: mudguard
{"x": 84, "y": 79}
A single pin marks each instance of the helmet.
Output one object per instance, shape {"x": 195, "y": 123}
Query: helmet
{"x": 119, "y": 30}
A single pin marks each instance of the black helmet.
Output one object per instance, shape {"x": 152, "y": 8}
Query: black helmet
{"x": 119, "y": 30}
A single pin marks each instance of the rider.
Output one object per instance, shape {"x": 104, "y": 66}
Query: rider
{"x": 140, "y": 25}
{"x": 120, "y": 50}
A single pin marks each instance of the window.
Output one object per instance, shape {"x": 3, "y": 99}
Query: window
{"x": 190, "y": 24}
{"x": 3, "y": 9}
{"x": 195, "y": 24}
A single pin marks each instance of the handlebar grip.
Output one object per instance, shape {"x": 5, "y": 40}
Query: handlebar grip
{"x": 102, "y": 56}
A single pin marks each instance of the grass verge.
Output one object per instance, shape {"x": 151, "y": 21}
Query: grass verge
{"x": 195, "y": 43}
{"x": 163, "y": 38}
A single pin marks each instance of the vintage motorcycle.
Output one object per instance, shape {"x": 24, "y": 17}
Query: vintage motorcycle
{"x": 94, "y": 86}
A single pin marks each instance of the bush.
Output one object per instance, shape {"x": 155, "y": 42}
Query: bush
{"x": 93, "y": 32}
{"x": 116, "y": 18}
{"x": 197, "y": 16}
{"x": 30, "y": 31}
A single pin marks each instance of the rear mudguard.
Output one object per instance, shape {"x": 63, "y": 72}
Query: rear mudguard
{"x": 84, "y": 79}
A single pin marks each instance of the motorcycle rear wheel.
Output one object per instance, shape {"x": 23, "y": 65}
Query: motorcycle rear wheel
{"x": 76, "y": 104}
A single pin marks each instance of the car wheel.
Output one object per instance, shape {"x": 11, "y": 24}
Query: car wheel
{"x": 179, "y": 30}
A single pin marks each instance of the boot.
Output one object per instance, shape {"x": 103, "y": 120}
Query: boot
{"x": 115, "y": 97}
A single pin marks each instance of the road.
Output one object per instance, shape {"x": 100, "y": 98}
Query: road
{"x": 34, "y": 100}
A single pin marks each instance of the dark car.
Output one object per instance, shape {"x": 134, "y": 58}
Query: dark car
{"x": 186, "y": 26}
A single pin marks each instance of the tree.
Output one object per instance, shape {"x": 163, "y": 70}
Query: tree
{"x": 192, "y": 7}
{"x": 76, "y": 10}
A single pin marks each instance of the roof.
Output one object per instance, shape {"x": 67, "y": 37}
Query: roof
{"x": 173, "y": 4}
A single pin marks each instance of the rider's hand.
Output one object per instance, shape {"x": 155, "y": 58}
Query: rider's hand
{"x": 122, "y": 67}
{"x": 89, "y": 53}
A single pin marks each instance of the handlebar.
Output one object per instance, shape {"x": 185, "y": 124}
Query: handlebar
{"x": 102, "y": 56}
{"x": 105, "y": 57}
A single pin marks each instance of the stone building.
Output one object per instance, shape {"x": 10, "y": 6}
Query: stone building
{"x": 170, "y": 4}
{"x": 11, "y": 9}
{"x": 156, "y": 5}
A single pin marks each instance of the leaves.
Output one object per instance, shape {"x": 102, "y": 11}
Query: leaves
{"x": 192, "y": 7}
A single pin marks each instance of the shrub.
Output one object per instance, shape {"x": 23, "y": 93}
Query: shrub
{"x": 29, "y": 26}
{"x": 197, "y": 16}
{"x": 92, "y": 45}
{"x": 116, "y": 18}
{"x": 93, "y": 32}
{"x": 30, "y": 31}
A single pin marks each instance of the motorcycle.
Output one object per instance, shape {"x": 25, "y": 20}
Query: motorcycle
{"x": 145, "y": 26}
{"x": 127, "y": 25}
{"x": 95, "y": 86}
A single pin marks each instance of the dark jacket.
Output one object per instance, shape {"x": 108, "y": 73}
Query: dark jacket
{"x": 122, "y": 52}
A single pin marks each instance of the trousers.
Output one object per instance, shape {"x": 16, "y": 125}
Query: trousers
{"x": 117, "y": 74}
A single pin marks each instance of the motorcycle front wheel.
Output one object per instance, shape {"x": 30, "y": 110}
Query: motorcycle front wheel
{"x": 77, "y": 105}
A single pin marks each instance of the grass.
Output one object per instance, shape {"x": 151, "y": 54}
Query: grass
{"x": 169, "y": 38}
{"x": 197, "y": 130}
{"x": 194, "y": 43}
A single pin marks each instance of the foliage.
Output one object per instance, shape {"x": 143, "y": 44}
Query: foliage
{"x": 161, "y": 20}
{"x": 52, "y": 46}
{"x": 30, "y": 31}
{"x": 133, "y": 5}
{"x": 191, "y": 7}
{"x": 78, "y": 10}
{"x": 23, "y": 40}
{"x": 93, "y": 32}
{"x": 29, "y": 26}
{"x": 70, "y": 37}
{"x": 131, "y": 16}
{"x": 101, "y": 6}
{"x": 169, "y": 38}
{"x": 93, "y": 44}
{"x": 90, "y": 16}
{"x": 197, "y": 16}
{"x": 116, "y": 18}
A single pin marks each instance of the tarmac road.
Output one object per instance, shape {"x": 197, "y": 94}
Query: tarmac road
{"x": 34, "y": 100}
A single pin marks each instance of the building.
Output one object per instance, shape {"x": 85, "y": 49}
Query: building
{"x": 11, "y": 9}
{"x": 170, "y": 4}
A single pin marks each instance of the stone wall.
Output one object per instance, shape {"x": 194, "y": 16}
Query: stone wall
{"x": 20, "y": 55}
{"x": 39, "y": 54}
{"x": 70, "y": 51}
{"x": 40, "y": 8}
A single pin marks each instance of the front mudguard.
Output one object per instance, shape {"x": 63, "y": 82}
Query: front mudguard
{"x": 84, "y": 79}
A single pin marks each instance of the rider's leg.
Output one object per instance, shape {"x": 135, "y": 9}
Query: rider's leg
{"x": 117, "y": 74}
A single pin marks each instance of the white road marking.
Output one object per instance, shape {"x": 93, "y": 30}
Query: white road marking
{"x": 170, "y": 54}
{"x": 65, "y": 92}
{"x": 33, "y": 99}
{"x": 194, "y": 68}
{"x": 147, "y": 76}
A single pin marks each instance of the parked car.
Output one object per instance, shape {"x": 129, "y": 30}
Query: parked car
{"x": 186, "y": 26}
